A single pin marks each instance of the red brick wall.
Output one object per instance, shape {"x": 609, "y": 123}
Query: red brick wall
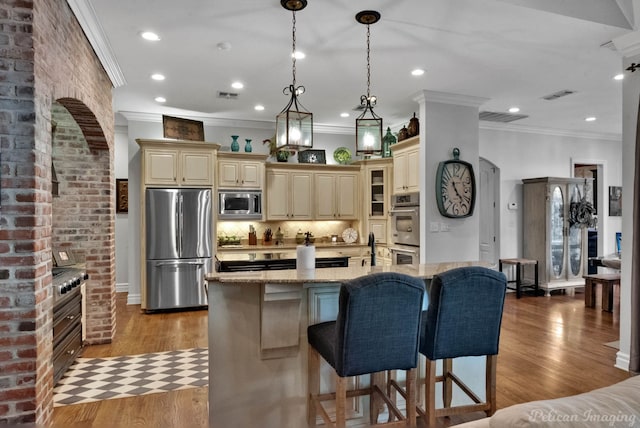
{"x": 44, "y": 56}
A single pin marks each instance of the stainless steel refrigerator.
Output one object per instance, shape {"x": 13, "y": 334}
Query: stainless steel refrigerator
{"x": 178, "y": 247}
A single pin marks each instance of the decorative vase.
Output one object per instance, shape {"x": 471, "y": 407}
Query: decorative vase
{"x": 387, "y": 141}
{"x": 235, "y": 147}
{"x": 414, "y": 126}
{"x": 403, "y": 134}
{"x": 247, "y": 146}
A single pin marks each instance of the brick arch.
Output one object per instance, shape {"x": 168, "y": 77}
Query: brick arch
{"x": 87, "y": 122}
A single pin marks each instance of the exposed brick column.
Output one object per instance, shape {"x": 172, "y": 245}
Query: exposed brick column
{"x": 45, "y": 56}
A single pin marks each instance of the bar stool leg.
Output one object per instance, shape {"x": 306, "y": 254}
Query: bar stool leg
{"x": 518, "y": 280}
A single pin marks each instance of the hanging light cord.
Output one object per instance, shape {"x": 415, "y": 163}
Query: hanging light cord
{"x": 368, "y": 99}
{"x": 292, "y": 89}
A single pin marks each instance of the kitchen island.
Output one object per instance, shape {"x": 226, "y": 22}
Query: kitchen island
{"x": 258, "y": 343}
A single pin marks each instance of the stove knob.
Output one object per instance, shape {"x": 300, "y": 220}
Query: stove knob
{"x": 85, "y": 276}
{"x": 63, "y": 288}
{"x": 75, "y": 282}
{"x": 69, "y": 285}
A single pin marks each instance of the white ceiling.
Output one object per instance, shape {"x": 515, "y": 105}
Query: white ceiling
{"x": 512, "y": 52}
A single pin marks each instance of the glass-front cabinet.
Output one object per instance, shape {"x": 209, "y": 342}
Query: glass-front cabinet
{"x": 549, "y": 237}
{"x": 377, "y": 181}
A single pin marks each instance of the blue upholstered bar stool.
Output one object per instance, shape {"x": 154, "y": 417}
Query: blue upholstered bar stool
{"x": 377, "y": 329}
{"x": 463, "y": 319}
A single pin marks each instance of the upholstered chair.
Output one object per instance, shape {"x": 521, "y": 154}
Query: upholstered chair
{"x": 377, "y": 329}
{"x": 462, "y": 319}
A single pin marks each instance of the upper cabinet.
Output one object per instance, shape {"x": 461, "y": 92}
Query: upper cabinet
{"x": 289, "y": 194}
{"x": 336, "y": 195}
{"x": 376, "y": 178}
{"x": 177, "y": 163}
{"x": 240, "y": 170}
{"x": 406, "y": 163}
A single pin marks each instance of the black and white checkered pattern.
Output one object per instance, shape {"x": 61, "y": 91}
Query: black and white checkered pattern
{"x": 94, "y": 379}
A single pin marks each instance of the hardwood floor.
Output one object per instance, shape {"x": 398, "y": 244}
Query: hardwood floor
{"x": 549, "y": 347}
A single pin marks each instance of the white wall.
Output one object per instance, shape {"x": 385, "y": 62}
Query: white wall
{"x": 121, "y": 170}
{"x": 528, "y": 155}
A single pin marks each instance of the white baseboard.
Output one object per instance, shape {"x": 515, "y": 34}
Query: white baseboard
{"x": 122, "y": 287}
{"x": 133, "y": 299}
{"x": 622, "y": 361}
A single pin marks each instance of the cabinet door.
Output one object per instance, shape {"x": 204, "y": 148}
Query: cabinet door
{"x": 301, "y": 196}
{"x": 379, "y": 229}
{"x": 277, "y": 195}
{"x": 251, "y": 173}
{"x": 412, "y": 172}
{"x": 197, "y": 169}
{"x": 557, "y": 267}
{"x": 325, "y": 199}
{"x": 161, "y": 167}
{"x": 575, "y": 255}
{"x": 228, "y": 174}
{"x": 346, "y": 194}
{"x": 399, "y": 172}
{"x": 377, "y": 192}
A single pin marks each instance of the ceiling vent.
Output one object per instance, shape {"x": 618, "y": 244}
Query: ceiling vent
{"x": 228, "y": 95}
{"x": 492, "y": 116}
{"x": 558, "y": 94}
{"x": 609, "y": 45}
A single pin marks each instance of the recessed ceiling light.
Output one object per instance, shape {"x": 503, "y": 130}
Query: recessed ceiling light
{"x": 157, "y": 76}
{"x": 237, "y": 85}
{"x": 149, "y": 35}
{"x": 618, "y": 76}
{"x": 223, "y": 46}
{"x": 590, "y": 119}
{"x": 514, "y": 109}
{"x": 417, "y": 72}
{"x": 259, "y": 107}
{"x": 160, "y": 99}
{"x": 299, "y": 55}
{"x": 344, "y": 114}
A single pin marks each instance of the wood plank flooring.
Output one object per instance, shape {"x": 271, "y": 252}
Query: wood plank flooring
{"x": 549, "y": 347}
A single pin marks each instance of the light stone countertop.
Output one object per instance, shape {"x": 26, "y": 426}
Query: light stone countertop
{"x": 335, "y": 275}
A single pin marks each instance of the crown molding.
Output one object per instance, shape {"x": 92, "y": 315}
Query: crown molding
{"x": 629, "y": 44}
{"x": 235, "y": 123}
{"x": 606, "y": 136}
{"x": 86, "y": 16}
{"x": 449, "y": 98}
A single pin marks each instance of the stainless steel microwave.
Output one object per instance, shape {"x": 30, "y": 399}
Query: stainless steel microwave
{"x": 235, "y": 204}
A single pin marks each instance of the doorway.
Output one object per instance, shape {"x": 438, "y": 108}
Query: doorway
{"x": 488, "y": 206}
{"x": 595, "y": 170}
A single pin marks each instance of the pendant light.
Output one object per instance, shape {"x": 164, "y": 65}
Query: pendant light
{"x": 368, "y": 124}
{"x": 294, "y": 124}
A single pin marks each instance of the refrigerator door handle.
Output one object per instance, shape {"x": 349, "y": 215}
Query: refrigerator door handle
{"x": 205, "y": 285}
{"x": 180, "y": 263}
{"x": 180, "y": 223}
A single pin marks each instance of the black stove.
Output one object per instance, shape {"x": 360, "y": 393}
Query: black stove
{"x": 66, "y": 283}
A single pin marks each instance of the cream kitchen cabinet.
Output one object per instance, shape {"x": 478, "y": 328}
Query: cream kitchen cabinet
{"x": 177, "y": 163}
{"x": 406, "y": 166}
{"x": 336, "y": 195}
{"x": 377, "y": 196}
{"x": 241, "y": 170}
{"x": 289, "y": 194}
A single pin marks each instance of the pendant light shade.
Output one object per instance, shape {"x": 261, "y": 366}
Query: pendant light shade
{"x": 294, "y": 124}
{"x": 368, "y": 124}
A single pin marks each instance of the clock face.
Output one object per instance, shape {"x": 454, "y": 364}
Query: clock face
{"x": 349, "y": 235}
{"x": 455, "y": 189}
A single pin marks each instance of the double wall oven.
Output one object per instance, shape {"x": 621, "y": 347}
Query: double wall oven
{"x": 405, "y": 229}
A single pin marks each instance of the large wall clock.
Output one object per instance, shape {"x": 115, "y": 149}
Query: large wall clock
{"x": 455, "y": 187}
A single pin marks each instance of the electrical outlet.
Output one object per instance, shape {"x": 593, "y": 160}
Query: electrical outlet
{"x": 444, "y": 227}
{"x": 434, "y": 227}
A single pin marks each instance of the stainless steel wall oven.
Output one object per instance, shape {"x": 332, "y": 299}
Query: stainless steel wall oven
{"x": 405, "y": 229}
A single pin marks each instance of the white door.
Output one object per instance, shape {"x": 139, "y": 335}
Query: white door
{"x": 488, "y": 204}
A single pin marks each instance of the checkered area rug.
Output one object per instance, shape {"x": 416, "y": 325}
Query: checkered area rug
{"x": 94, "y": 379}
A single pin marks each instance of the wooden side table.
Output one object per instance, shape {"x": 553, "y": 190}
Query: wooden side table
{"x": 608, "y": 282}
{"x": 519, "y": 284}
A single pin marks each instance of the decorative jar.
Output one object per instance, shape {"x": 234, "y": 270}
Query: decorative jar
{"x": 235, "y": 147}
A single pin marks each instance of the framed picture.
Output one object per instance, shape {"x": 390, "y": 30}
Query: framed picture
{"x": 63, "y": 257}
{"x": 122, "y": 195}
{"x": 615, "y": 201}
{"x": 312, "y": 156}
{"x": 182, "y": 129}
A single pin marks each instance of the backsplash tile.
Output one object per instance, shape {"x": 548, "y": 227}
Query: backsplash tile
{"x": 321, "y": 230}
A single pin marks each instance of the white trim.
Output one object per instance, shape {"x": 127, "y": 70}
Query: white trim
{"x": 86, "y": 16}
{"x": 133, "y": 299}
{"x": 628, "y": 44}
{"x": 550, "y": 131}
{"x": 448, "y": 98}
{"x": 622, "y": 361}
{"x": 122, "y": 287}
{"x": 235, "y": 123}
